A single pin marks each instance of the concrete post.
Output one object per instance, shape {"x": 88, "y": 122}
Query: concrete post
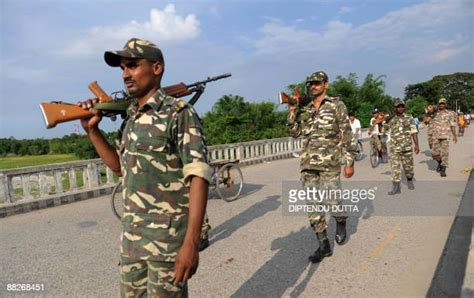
{"x": 4, "y": 191}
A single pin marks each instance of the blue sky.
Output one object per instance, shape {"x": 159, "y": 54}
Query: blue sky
{"x": 51, "y": 50}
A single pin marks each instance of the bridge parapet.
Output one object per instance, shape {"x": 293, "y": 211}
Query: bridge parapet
{"x": 30, "y": 188}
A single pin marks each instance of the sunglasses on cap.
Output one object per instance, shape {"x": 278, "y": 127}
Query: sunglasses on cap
{"x": 317, "y": 83}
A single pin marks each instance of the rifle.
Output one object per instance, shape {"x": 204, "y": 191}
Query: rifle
{"x": 429, "y": 114}
{"x": 301, "y": 99}
{"x": 57, "y": 112}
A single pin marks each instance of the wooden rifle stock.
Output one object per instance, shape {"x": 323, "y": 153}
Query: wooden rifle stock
{"x": 286, "y": 99}
{"x": 54, "y": 113}
{"x": 99, "y": 92}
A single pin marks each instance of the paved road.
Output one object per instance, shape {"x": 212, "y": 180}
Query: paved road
{"x": 256, "y": 250}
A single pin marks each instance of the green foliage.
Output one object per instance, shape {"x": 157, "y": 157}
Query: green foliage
{"x": 232, "y": 120}
{"x": 347, "y": 89}
{"x": 416, "y": 107}
{"x": 85, "y": 150}
{"x": 12, "y": 162}
{"x": 454, "y": 87}
{"x": 76, "y": 144}
{"x": 12, "y": 146}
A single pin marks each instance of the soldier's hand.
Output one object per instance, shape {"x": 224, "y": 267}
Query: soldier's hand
{"x": 348, "y": 171}
{"x": 186, "y": 263}
{"x": 93, "y": 121}
{"x": 455, "y": 139}
{"x": 294, "y": 107}
{"x": 417, "y": 149}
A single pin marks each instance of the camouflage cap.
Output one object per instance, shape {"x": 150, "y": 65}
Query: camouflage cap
{"x": 135, "y": 48}
{"x": 443, "y": 100}
{"x": 398, "y": 102}
{"x": 317, "y": 76}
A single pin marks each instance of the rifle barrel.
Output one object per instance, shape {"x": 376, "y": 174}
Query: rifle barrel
{"x": 209, "y": 79}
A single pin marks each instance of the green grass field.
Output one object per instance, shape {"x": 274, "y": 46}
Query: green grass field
{"x": 29, "y": 161}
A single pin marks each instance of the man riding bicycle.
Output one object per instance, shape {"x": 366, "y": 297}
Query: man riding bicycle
{"x": 378, "y": 138}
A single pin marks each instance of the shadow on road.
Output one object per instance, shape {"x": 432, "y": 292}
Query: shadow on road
{"x": 284, "y": 269}
{"x": 432, "y": 164}
{"x": 255, "y": 211}
{"x": 247, "y": 189}
{"x": 366, "y": 209}
{"x": 427, "y": 153}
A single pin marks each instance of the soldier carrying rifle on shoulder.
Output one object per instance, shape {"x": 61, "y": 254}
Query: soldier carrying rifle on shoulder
{"x": 323, "y": 124}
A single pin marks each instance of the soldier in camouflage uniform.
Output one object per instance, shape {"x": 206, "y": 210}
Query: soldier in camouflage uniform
{"x": 402, "y": 130}
{"x": 443, "y": 123}
{"x": 324, "y": 126}
{"x": 427, "y": 119}
{"x": 162, "y": 159}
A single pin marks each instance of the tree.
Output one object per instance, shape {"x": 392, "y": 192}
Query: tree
{"x": 232, "y": 120}
{"x": 348, "y": 90}
{"x": 457, "y": 88}
{"x": 416, "y": 107}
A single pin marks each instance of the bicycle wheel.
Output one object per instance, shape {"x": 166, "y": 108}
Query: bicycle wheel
{"x": 229, "y": 182}
{"x": 384, "y": 157}
{"x": 116, "y": 200}
{"x": 360, "y": 151}
{"x": 374, "y": 158}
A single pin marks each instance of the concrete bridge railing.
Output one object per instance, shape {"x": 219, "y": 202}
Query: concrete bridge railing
{"x": 38, "y": 187}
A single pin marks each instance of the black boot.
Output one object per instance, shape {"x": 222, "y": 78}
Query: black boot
{"x": 341, "y": 232}
{"x": 396, "y": 189}
{"x": 203, "y": 244}
{"x": 439, "y": 166}
{"x": 324, "y": 249}
{"x": 442, "y": 172}
{"x": 410, "y": 183}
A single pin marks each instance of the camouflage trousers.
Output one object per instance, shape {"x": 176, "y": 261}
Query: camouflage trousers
{"x": 206, "y": 227}
{"x": 399, "y": 160}
{"x": 141, "y": 278}
{"x": 440, "y": 151}
{"x": 323, "y": 180}
{"x": 430, "y": 140}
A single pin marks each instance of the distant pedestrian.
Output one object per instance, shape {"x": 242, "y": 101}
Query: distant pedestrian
{"x": 461, "y": 124}
{"x": 444, "y": 124}
{"x": 430, "y": 113}
{"x": 403, "y": 135}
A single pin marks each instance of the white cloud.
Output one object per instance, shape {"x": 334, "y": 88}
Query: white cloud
{"x": 447, "y": 53}
{"x": 409, "y": 32}
{"x": 345, "y": 9}
{"x": 164, "y": 26}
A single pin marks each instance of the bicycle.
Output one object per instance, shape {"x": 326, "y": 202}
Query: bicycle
{"x": 360, "y": 151}
{"x": 376, "y": 155}
{"x": 227, "y": 180}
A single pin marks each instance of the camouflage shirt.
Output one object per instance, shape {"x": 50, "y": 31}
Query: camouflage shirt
{"x": 161, "y": 147}
{"x": 400, "y": 129}
{"x": 430, "y": 122}
{"x": 442, "y": 123}
{"x": 326, "y": 134}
